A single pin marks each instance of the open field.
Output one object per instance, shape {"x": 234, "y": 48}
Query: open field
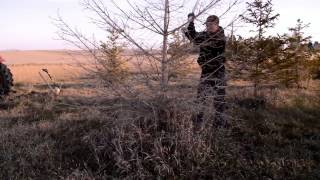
{"x": 26, "y": 65}
{"x": 42, "y": 57}
{"x": 29, "y": 73}
{"x": 86, "y": 134}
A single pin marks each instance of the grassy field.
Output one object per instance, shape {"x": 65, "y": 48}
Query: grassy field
{"x": 84, "y": 133}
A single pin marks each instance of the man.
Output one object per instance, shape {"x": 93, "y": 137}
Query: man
{"x": 211, "y": 59}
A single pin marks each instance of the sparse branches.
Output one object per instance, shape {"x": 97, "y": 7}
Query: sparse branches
{"x": 261, "y": 15}
{"x": 179, "y": 61}
{"x": 139, "y": 24}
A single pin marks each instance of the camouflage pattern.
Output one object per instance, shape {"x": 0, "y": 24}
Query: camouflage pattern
{"x": 211, "y": 60}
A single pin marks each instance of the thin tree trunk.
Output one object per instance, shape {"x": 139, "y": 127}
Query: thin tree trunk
{"x": 258, "y": 60}
{"x": 164, "y": 61}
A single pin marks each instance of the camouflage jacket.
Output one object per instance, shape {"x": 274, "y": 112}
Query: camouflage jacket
{"x": 212, "y": 47}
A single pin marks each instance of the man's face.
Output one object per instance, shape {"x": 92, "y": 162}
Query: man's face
{"x": 212, "y": 26}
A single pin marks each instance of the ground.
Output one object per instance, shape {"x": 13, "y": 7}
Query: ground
{"x": 84, "y": 133}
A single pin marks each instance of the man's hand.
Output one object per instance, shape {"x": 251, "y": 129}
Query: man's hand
{"x": 191, "y": 17}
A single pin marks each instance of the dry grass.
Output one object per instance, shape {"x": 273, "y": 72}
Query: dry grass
{"x": 29, "y": 73}
{"x": 99, "y": 137}
{"x": 43, "y": 57}
{"x": 83, "y": 134}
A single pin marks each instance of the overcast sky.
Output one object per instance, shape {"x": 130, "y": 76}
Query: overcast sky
{"x": 26, "y": 25}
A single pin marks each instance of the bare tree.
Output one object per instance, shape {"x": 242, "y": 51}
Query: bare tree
{"x": 142, "y": 24}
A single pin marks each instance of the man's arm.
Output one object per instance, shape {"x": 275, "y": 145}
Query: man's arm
{"x": 191, "y": 32}
{"x": 194, "y": 36}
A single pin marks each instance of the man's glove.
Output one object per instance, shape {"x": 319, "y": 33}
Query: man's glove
{"x": 191, "y": 17}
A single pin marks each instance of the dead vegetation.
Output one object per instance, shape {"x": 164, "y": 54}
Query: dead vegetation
{"x": 99, "y": 137}
{"x": 142, "y": 128}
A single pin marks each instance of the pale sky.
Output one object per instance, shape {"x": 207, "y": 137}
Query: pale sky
{"x": 26, "y": 24}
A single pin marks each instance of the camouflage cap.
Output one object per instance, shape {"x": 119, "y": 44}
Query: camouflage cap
{"x": 212, "y": 18}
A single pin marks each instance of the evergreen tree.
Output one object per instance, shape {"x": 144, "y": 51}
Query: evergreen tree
{"x": 111, "y": 67}
{"x": 293, "y": 68}
{"x": 260, "y": 14}
{"x": 179, "y": 51}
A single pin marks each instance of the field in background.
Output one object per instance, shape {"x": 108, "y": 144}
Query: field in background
{"x": 43, "y": 57}
{"x": 29, "y": 73}
{"x": 26, "y": 65}
{"x": 63, "y": 64}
